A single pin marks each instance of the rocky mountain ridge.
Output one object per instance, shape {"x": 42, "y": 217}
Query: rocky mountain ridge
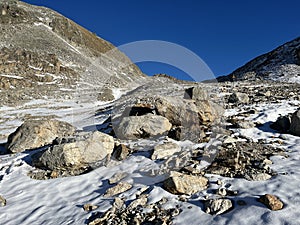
{"x": 42, "y": 51}
{"x": 282, "y": 64}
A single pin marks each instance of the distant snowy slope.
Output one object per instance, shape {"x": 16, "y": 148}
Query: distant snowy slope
{"x": 282, "y": 64}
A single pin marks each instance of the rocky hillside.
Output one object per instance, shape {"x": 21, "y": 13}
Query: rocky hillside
{"x": 282, "y": 64}
{"x": 41, "y": 48}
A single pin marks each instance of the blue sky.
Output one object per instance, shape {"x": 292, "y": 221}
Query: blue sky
{"x": 225, "y": 34}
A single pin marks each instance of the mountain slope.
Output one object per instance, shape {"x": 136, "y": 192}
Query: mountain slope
{"x": 41, "y": 49}
{"x": 282, "y": 64}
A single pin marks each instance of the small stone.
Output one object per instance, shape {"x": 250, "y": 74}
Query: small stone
{"x": 268, "y": 94}
{"x": 271, "y": 201}
{"x": 119, "y": 203}
{"x": 2, "y": 201}
{"x": 118, "y": 189}
{"x": 89, "y": 207}
{"x": 260, "y": 177}
{"x": 219, "y": 182}
{"x": 222, "y": 192}
{"x": 179, "y": 183}
{"x": 141, "y": 201}
{"x": 267, "y": 162}
{"x": 117, "y": 177}
{"x": 218, "y": 206}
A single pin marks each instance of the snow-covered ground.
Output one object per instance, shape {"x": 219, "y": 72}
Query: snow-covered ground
{"x": 60, "y": 201}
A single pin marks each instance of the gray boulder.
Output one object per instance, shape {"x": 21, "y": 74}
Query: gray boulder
{"x": 181, "y": 112}
{"x": 79, "y": 152}
{"x": 197, "y": 93}
{"x": 295, "y": 123}
{"x": 135, "y": 127}
{"x": 238, "y": 97}
{"x": 37, "y": 133}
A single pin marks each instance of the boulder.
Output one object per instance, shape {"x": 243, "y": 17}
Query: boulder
{"x": 121, "y": 152}
{"x": 183, "y": 112}
{"x": 218, "y": 206}
{"x": 282, "y": 124}
{"x": 238, "y": 97}
{"x": 197, "y": 93}
{"x": 165, "y": 150}
{"x": 135, "y": 127}
{"x": 179, "y": 183}
{"x": 271, "y": 201}
{"x": 37, "y": 133}
{"x": 78, "y": 152}
{"x": 295, "y": 123}
{"x": 173, "y": 108}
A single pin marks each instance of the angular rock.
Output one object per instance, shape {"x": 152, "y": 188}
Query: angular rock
{"x": 238, "y": 97}
{"x": 121, "y": 152}
{"x": 89, "y": 207}
{"x": 218, "y": 206}
{"x": 118, "y": 189}
{"x": 197, "y": 93}
{"x": 282, "y": 124}
{"x": 260, "y": 177}
{"x": 208, "y": 111}
{"x": 295, "y": 123}
{"x": 165, "y": 150}
{"x": 179, "y": 183}
{"x": 117, "y": 177}
{"x": 141, "y": 201}
{"x": 81, "y": 151}
{"x": 37, "y": 133}
{"x": 2, "y": 201}
{"x": 135, "y": 127}
{"x": 271, "y": 201}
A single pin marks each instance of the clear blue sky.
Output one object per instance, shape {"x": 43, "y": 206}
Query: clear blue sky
{"x": 225, "y": 34}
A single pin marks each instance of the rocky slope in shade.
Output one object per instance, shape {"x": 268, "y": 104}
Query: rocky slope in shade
{"x": 282, "y": 64}
{"x": 41, "y": 47}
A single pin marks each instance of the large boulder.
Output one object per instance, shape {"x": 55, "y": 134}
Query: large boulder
{"x": 80, "y": 151}
{"x": 197, "y": 93}
{"x": 135, "y": 127}
{"x": 181, "y": 112}
{"x": 37, "y": 133}
{"x": 179, "y": 183}
{"x": 295, "y": 123}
